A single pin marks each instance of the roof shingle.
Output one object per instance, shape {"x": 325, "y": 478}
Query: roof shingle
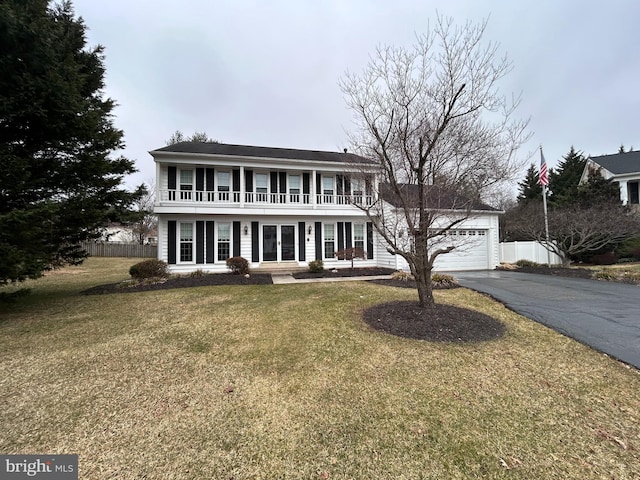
{"x": 620, "y": 163}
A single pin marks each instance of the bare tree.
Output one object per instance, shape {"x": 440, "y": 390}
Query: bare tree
{"x": 145, "y": 223}
{"x": 441, "y": 135}
{"x": 575, "y": 229}
{"x": 178, "y": 136}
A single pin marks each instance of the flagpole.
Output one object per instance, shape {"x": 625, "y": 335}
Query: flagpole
{"x": 544, "y": 204}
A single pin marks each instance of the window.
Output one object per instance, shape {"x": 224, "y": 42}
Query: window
{"x": 329, "y": 240}
{"x": 186, "y": 184}
{"x": 186, "y": 180}
{"x": 294, "y": 184}
{"x": 358, "y": 236}
{"x": 224, "y": 240}
{"x": 223, "y": 181}
{"x": 357, "y": 186}
{"x": 186, "y": 242}
{"x": 327, "y": 185}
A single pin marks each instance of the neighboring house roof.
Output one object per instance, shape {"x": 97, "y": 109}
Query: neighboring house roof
{"x": 437, "y": 197}
{"x": 620, "y": 163}
{"x": 212, "y": 148}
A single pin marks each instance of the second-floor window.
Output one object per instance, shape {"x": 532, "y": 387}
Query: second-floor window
{"x": 186, "y": 184}
{"x": 261, "y": 187}
{"x": 357, "y": 186}
{"x": 327, "y": 185}
{"x": 294, "y": 184}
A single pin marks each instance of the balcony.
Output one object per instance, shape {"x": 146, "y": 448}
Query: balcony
{"x": 217, "y": 198}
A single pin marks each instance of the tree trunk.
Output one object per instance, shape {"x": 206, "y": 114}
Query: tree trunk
{"x": 424, "y": 285}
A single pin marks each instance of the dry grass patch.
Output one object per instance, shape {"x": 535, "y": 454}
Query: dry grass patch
{"x": 287, "y": 381}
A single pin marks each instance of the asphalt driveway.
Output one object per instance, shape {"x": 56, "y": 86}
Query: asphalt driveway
{"x": 603, "y": 315}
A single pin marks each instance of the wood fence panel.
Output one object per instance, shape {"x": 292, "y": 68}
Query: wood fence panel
{"x": 111, "y": 249}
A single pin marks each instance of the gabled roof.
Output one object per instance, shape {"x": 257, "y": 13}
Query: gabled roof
{"x": 438, "y": 198}
{"x": 620, "y": 163}
{"x": 212, "y": 148}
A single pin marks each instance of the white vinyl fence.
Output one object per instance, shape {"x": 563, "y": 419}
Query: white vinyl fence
{"x": 511, "y": 252}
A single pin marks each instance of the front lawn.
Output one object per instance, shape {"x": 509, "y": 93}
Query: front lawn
{"x": 288, "y": 381}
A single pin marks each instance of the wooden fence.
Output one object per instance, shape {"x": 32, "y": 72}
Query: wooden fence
{"x": 112, "y": 249}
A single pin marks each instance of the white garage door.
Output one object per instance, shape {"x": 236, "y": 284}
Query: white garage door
{"x": 472, "y": 253}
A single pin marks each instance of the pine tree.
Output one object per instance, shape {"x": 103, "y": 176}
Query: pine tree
{"x": 563, "y": 182}
{"x": 58, "y": 183}
{"x": 530, "y": 188}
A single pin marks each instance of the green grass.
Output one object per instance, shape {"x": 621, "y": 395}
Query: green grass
{"x": 286, "y": 381}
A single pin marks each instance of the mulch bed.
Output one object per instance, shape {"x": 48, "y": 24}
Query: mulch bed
{"x": 440, "y": 323}
{"x": 183, "y": 282}
{"x": 345, "y": 272}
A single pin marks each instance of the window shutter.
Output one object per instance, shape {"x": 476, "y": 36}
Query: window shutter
{"x": 210, "y": 238}
{"x": 236, "y": 239}
{"x": 340, "y": 236}
{"x": 274, "y": 182}
{"x": 236, "y": 180}
{"x": 200, "y": 241}
{"x": 369, "y": 240}
{"x": 305, "y": 186}
{"x": 301, "y": 241}
{"x": 210, "y": 175}
{"x": 339, "y": 185}
{"x": 283, "y": 182}
{"x": 255, "y": 245}
{"x": 347, "y": 235}
{"x": 318, "y": 228}
{"x": 248, "y": 181}
{"x": 200, "y": 179}
{"x": 172, "y": 178}
{"x": 171, "y": 241}
{"x": 347, "y": 185}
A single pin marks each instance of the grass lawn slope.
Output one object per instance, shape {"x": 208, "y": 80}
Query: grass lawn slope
{"x": 289, "y": 382}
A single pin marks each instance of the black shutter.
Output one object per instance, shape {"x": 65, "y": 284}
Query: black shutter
{"x": 210, "y": 175}
{"x": 255, "y": 245}
{"x": 340, "y": 236}
{"x": 274, "y": 182}
{"x": 369, "y": 240}
{"x": 200, "y": 179}
{"x": 236, "y": 180}
{"x": 339, "y": 185}
{"x": 367, "y": 185}
{"x": 318, "y": 228}
{"x": 318, "y": 184}
{"x": 347, "y": 235}
{"x": 283, "y": 182}
{"x": 347, "y": 185}
{"x": 305, "y": 186}
{"x": 301, "y": 241}
{"x": 236, "y": 239}
{"x": 171, "y": 240}
{"x": 248, "y": 180}
{"x": 209, "y": 228}
{"x": 172, "y": 178}
{"x": 199, "y": 241}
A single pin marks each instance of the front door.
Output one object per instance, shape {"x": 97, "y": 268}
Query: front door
{"x": 278, "y": 243}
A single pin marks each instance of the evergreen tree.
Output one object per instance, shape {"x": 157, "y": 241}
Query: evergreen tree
{"x": 530, "y": 188}
{"x": 178, "y": 136}
{"x": 597, "y": 191}
{"x": 58, "y": 183}
{"x": 563, "y": 182}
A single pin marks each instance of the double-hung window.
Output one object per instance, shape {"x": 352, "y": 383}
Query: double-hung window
{"x": 327, "y": 189}
{"x": 329, "y": 240}
{"x": 186, "y": 242}
{"x": 224, "y": 240}
{"x": 186, "y": 184}
{"x": 224, "y": 179}
{"x": 261, "y": 187}
{"x": 294, "y": 188}
{"x": 358, "y": 236}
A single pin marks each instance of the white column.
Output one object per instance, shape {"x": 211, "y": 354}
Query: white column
{"x": 624, "y": 192}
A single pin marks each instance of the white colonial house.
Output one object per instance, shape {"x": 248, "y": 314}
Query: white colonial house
{"x": 280, "y": 208}
{"x": 623, "y": 168}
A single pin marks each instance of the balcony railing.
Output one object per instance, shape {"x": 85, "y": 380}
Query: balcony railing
{"x": 256, "y": 198}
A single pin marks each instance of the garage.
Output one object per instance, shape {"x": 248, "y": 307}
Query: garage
{"x": 472, "y": 252}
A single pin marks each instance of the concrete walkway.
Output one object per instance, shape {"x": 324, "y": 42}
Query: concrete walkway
{"x": 282, "y": 278}
{"x": 603, "y": 315}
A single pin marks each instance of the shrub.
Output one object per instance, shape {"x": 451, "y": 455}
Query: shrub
{"x": 527, "y": 263}
{"x": 631, "y": 277}
{"x": 605, "y": 274}
{"x": 151, "y": 268}
{"x": 442, "y": 280}
{"x": 316, "y": 266}
{"x": 608, "y": 258}
{"x": 238, "y": 265}
{"x": 198, "y": 273}
{"x": 402, "y": 276}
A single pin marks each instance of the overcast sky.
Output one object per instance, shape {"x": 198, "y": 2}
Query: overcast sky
{"x": 265, "y": 72}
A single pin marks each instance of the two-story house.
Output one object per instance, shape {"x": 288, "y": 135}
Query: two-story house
{"x": 277, "y": 208}
{"x": 623, "y": 168}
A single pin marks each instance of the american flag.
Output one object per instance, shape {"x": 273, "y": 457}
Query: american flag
{"x": 544, "y": 172}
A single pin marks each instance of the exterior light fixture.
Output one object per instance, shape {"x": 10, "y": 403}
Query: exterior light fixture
{"x": 246, "y": 230}
{"x": 309, "y": 230}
